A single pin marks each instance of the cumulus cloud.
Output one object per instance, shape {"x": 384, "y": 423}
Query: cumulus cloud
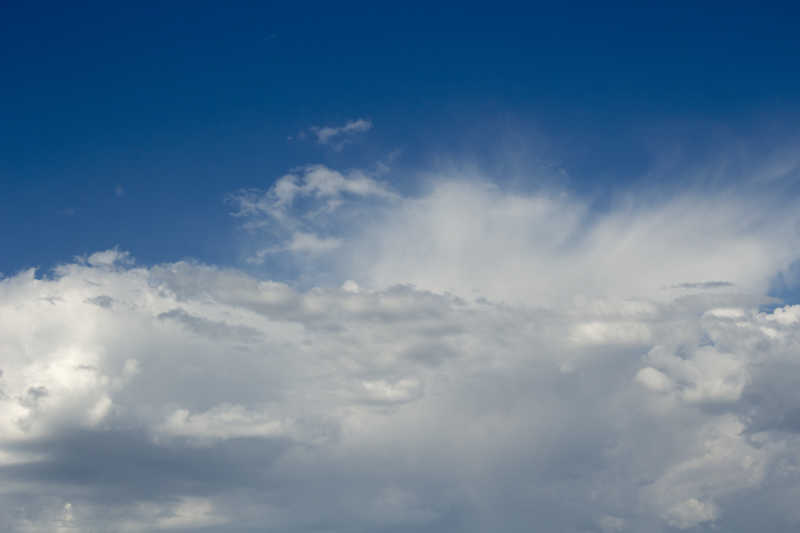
{"x": 108, "y": 258}
{"x": 184, "y": 396}
{"x": 482, "y": 360}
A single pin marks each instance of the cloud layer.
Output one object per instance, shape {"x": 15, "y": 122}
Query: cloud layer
{"x": 491, "y": 361}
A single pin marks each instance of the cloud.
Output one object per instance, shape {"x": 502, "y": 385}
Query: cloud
{"x": 339, "y": 136}
{"x": 300, "y": 207}
{"x": 108, "y": 258}
{"x": 300, "y": 242}
{"x": 221, "y": 422}
{"x": 704, "y": 285}
{"x": 183, "y": 396}
{"x": 469, "y": 358}
{"x": 318, "y": 183}
{"x": 473, "y": 239}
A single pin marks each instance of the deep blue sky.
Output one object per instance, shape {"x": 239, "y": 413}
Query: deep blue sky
{"x": 181, "y": 104}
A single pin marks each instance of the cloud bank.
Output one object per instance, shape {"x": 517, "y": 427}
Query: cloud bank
{"x": 491, "y": 361}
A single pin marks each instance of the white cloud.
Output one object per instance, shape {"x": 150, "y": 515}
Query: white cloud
{"x": 310, "y": 243}
{"x": 338, "y": 136}
{"x": 109, "y": 258}
{"x": 244, "y": 403}
{"x": 219, "y": 423}
{"x": 690, "y": 513}
{"x": 548, "y": 249}
{"x": 475, "y": 359}
{"x": 654, "y": 379}
{"x": 321, "y": 193}
{"x": 327, "y": 188}
{"x": 403, "y": 390}
{"x": 300, "y": 242}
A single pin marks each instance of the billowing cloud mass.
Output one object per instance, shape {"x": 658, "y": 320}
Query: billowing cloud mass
{"x": 489, "y": 361}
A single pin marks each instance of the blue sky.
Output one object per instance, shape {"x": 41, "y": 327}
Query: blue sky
{"x": 177, "y": 106}
{"x": 386, "y": 269}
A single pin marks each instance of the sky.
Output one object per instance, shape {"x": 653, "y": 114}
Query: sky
{"x": 380, "y": 269}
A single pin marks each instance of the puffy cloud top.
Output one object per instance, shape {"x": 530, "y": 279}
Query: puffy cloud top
{"x": 183, "y": 396}
{"x": 479, "y": 360}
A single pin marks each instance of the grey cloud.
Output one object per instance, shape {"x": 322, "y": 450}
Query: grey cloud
{"x": 37, "y": 392}
{"x": 210, "y": 328}
{"x": 102, "y": 301}
{"x": 704, "y": 285}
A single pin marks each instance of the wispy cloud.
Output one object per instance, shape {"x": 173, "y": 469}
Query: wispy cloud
{"x": 317, "y": 182}
{"x": 321, "y": 191}
{"x": 326, "y": 134}
{"x": 301, "y": 243}
{"x": 338, "y": 137}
